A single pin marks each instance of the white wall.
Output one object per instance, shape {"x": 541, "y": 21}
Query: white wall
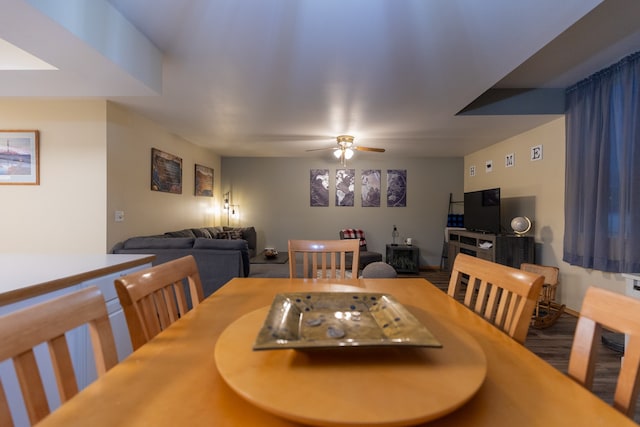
{"x": 130, "y": 139}
{"x": 66, "y": 212}
{"x": 536, "y": 189}
{"x": 273, "y": 196}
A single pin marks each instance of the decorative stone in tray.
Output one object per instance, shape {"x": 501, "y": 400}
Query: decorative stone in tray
{"x": 309, "y": 320}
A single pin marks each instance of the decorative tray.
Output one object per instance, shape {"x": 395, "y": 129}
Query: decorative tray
{"x": 309, "y": 320}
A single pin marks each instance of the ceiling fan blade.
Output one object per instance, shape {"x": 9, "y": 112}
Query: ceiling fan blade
{"x": 322, "y": 149}
{"x": 377, "y": 150}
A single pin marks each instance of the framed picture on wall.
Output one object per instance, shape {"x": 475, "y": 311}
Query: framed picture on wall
{"x": 396, "y": 188}
{"x": 345, "y": 179}
{"x": 370, "y": 193}
{"x": 203, "y": 181}
{"x": 319, "y": 187}
{"x": 166, "y": 172}
{"x": 19, "y": 157}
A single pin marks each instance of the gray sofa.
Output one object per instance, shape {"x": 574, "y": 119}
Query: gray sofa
{"x": 220, "y": 253}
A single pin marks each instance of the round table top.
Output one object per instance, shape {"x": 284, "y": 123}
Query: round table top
{"x": 353, "y": 386}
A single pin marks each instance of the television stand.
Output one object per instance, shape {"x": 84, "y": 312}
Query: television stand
{"x": 503, "y": 249}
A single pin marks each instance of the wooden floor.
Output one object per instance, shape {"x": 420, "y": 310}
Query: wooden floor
{"x": 553, "y": 344}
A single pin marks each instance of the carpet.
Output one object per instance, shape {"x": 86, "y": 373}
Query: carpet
{"x": 281, "y": 258}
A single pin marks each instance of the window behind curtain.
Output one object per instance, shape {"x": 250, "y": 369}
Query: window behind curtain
{"x": 602, "y": 193}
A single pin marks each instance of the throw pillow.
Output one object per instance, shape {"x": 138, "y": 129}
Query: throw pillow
{"x": 181, "y": 233}
{"x": 222, "y": 235}
{"x": 235, "y": 234}
{"x": 355, "y": 233}
{"x": 201, "y": 232}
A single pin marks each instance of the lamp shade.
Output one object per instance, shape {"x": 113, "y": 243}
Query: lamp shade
{"x": 348, "y": 153}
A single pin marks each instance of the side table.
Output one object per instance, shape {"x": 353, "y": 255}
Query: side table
{"x": 404, "y": 258}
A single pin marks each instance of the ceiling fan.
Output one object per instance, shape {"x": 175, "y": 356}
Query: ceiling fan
{"x": 345, "y": 149}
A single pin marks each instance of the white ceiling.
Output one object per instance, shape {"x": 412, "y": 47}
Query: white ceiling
{"x": 278, "y": 77}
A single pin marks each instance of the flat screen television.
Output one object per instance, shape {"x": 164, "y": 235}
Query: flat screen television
{"x": 482, "y": 210}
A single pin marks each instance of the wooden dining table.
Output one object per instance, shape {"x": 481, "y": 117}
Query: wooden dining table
{"x": 175, "y": 379}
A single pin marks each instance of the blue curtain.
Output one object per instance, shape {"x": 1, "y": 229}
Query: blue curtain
{"x": 602, "y": 190}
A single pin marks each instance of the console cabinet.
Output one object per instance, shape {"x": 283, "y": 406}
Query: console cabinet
{"x": 404, "y": 258}
{"x": 500, "y": 248}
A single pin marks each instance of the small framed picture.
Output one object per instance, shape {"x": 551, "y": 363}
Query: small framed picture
{"x": 203, "y": 181}
{"x": 536, "y": 153}
{"x": 509, "y": 160}
{"x": 166, "y": 172}
{"x": 19, "y": 157}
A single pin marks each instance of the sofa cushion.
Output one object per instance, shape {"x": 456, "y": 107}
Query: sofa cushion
{"x": 224, "y": 244}
{"x": 180, "y": 233}
{"x": 239, "y": 244}
{"x": 158, "y": 243}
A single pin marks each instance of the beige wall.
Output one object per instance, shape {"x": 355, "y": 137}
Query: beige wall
{"x": 66, "y": 212}
{"x": 130, "y": 139}
{"x": 536, "y": 189}
{"x": 95, "y": 158}
{"x": 273, "y": 196}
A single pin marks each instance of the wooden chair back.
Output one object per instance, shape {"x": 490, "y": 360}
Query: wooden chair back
{"x": 503, "y": 295}
{"x": 550, "y": 275}
{"x": 324, "y": 259}
{"x": 154, "y": 298}
{"x": 547, "y": 310}
{"x": 602, "y": 308}
{"x": 47, "y": 322}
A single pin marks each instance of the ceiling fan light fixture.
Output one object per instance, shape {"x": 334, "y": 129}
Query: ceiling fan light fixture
{"x": 337, "y": 153}
{"x": 345, "y": 140}
{"x": 348, "y": 153}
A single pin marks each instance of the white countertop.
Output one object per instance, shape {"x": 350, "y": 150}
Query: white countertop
{"x": 26, "y": 275}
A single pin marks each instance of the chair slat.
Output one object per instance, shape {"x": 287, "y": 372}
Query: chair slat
{"x": 5, "y": 412}
{"x": 63, "y": 368}
{"x": 180, "y": 299}
{"x": 35, "y": 399}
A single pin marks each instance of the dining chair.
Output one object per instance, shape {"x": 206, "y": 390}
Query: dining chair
{"x": 503, "y": 295}
{"x": 547, "y": 310}
{"x": 319, "y": 258}
{"x": 602, "y": 308}
{"x": 47, "y": 322}
{"x": 154, "y": 298}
